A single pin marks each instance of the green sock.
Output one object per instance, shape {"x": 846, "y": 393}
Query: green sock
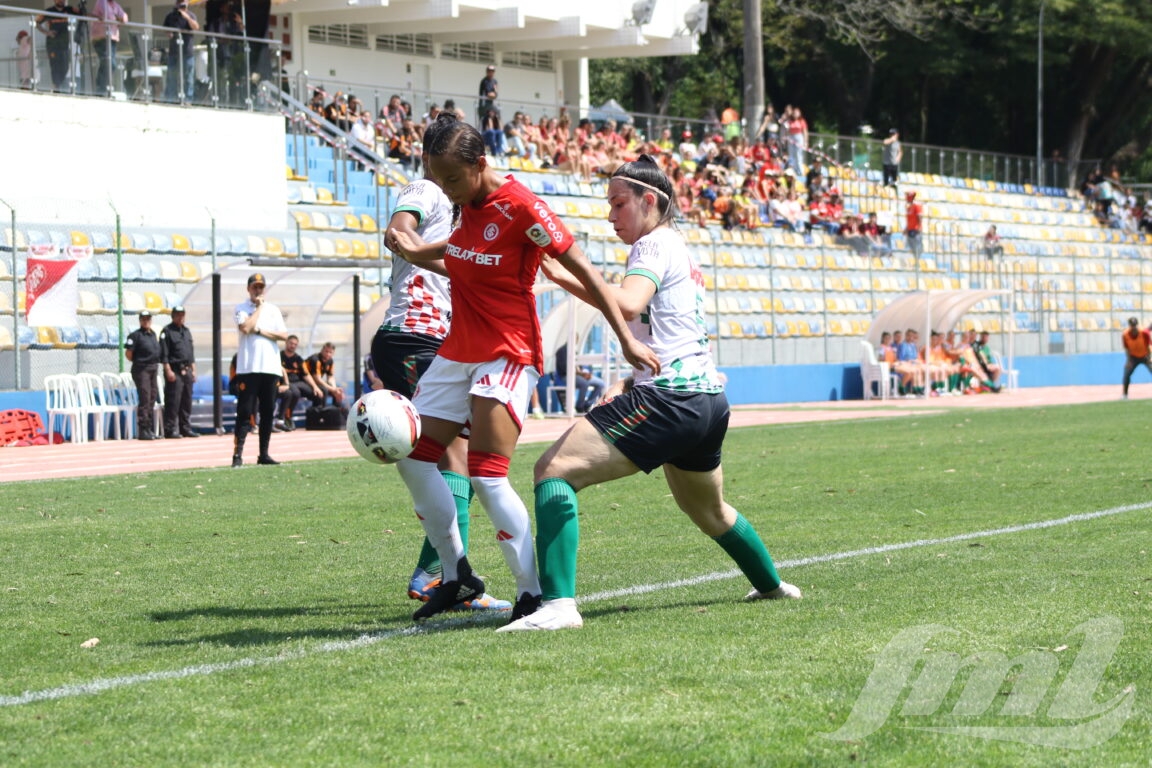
{"x": 557, "y": 537}
{"x": 461, "y": 489}
{"x": 743, "y": 545}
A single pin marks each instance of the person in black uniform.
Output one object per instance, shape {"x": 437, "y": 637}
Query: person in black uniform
{"x": 179, "y": 361}
{"x": 142, "y": 348}
{"x": 294, "y": 377}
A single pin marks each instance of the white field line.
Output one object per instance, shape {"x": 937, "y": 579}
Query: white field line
{"x": 106, "y": 684}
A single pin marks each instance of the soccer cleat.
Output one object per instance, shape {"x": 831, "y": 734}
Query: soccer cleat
{"x": 526, "y": 605}
{"x": 555, "y": 614}
{"x": 449, "y": 594}
{"x": 785, "y": 590}
{"x": 266, "y": 459}
{"x": 237, "y": 460}
{"x": 484, "y": 602}
{"x": 422, "y": 585}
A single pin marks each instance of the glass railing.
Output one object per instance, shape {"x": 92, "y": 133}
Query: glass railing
{"x": 85, "y": 56}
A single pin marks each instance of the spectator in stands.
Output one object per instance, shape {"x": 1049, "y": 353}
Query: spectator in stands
{"x": 891, "y": 155}
{"x": 58, "y": 42}
{"x": 492, "y": 132}
{"x": 24, "y": 58}
{"x": 571, "y": 160}
{"x": 178, "y": 357}
{"x": 687, "y": 148}
{"x": 1138, "y": 344}
{"x": 319, "y": 371}
{"x": 393, "y": 113}
{"x": 105, "y": 35}
{"x": 851, "y": 235}
{"x": 665, "y": 142}
{"x": 814, "y": 180}
{"x": 230, "y": 53}
{"x": 450, "y": 107}
{"x": 1146, "y": 218}
{"x": 181, "y": 56}
{"x": 730, "y": 122}
{"x": 318, "y": 102}
{"x": 337, "y": 112}
{"x": 294, "y": 384}
{"x": 513, "y": 140}
{"x": 769, "y": 130}
{"x": 796, "y": 128}
{"x": 402, "y": 146}
{"x": 787, "y": 208}
{"x": 364, "y": 132}
{"x": 489, "y": 93}
{"x": 988, "y": 370}
{"x": 876, "y": 234}
{"x": 258, "y": 370}
{"x": 142, "y": 349}
{"x": 992, "y": 246}
{"x": 913, "y": 226}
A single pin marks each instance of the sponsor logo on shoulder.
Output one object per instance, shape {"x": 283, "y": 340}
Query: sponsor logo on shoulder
{"x": 537, "y": 234}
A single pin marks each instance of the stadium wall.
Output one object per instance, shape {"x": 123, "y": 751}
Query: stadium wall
{"x": 817, "y": 383}
{"x": 70, "y": 159}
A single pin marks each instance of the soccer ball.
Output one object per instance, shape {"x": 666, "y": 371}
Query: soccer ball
{"x": 383, "y": 426}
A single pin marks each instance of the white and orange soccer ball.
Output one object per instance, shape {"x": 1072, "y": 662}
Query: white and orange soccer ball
{"x": 383, "y": 426}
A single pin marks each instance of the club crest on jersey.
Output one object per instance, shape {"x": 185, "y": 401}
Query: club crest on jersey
{"x": 491, "y": 232}
{"x": 537, "y": 234}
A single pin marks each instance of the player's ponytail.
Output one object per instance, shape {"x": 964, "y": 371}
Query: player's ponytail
{"x": 645, "y": 175}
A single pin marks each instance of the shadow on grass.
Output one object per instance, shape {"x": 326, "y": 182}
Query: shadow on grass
{"x": 372, "y": 624}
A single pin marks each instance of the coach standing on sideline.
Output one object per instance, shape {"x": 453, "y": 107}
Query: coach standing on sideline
{"x": 179, "y": 361}
{"x": 1138, "y": 345}
{"x": 258, "y": 368}
{"x": 142, "y": 348}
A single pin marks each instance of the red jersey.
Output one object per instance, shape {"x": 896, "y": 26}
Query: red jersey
{"x": 914, "y": 217}
{"x": 492, "y": 259}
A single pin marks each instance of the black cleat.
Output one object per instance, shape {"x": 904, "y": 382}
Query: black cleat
{"x": 266, "y": 459}
{"x": 526, "y": 605}
{"x": 448, "y": 594}
{"x": 237, "y": 460}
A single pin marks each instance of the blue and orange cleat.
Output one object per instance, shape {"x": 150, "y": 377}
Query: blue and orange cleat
{"x": 422, "y": 585}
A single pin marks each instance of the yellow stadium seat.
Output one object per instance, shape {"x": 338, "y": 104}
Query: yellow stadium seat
{"x": 359, "y": 249}
{"x": 80, "y": 238}
{"x": 189, "y": 272}
{"x": 351, "y": 222}
{"x": 367, "y": 223}
{"x": 303, "y": 219}
{"x": 343, "y": 248}
{"x": 324, "y": 196}
{"x": 181, "y": 243}
{"x": 274, "y": 246}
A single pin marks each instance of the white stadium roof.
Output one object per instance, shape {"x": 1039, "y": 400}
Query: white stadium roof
{"x": 590, "y": 29}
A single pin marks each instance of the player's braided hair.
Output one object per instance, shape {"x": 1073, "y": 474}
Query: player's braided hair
{"x": 645, "y": 174}
{"x": 448, "y": 135}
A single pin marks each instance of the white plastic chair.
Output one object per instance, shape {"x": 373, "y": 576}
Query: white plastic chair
{"x": 1010, "y": 376}
{"x": 873, "y": 372}
{"x": 123, "y": 396}
{"x": 93, "y": 403}
{"x": 62, "y": 400}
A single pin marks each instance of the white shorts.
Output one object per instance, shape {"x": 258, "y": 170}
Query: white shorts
{"x": 446, "y": 388}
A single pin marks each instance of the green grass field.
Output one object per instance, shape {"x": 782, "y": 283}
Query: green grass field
{"x": 258, "y": 617}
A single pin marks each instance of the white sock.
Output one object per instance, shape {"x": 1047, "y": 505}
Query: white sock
{"x": 436, "y": 509}
{"x": 509, "y": 517}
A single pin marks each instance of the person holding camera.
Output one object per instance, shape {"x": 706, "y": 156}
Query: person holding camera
{"x": 181, "y": 57}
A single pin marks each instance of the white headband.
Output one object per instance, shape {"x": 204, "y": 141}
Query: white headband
{"x": 660, "y": 192}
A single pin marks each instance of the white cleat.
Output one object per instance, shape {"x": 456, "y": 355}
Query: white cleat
{"x": 784, "y": 591}
{"x": 560, "y": 613}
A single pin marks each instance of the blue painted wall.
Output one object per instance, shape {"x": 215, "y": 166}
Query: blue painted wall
{"x": 821, "y": 382}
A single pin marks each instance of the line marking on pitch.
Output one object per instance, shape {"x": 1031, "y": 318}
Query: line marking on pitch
{"x": 110, "y": 683}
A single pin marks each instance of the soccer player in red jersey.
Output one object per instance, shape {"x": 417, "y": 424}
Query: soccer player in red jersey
{"x": 488, "y": 365}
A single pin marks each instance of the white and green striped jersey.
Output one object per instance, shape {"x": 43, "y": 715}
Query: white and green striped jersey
{"x": 673, "y": 324}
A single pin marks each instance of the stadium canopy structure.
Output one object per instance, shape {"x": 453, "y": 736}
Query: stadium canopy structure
{"x": 592, "y": 29}
{"x": 933, "y": 310}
